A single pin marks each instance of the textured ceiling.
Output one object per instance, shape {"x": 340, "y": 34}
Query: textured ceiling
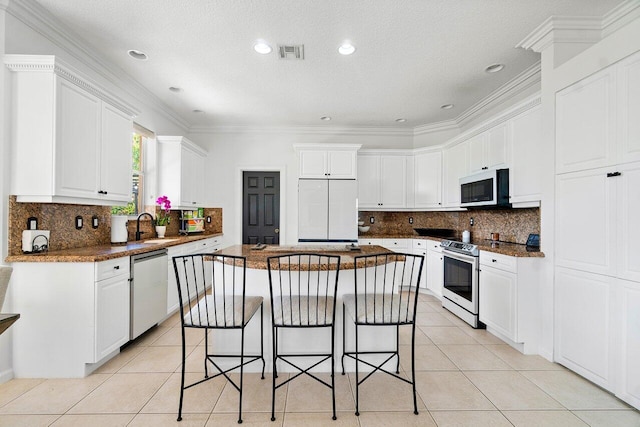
{"x": 412, "y": 55}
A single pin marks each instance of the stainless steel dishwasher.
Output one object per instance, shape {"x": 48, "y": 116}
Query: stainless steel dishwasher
{"x": 148, "y": 290}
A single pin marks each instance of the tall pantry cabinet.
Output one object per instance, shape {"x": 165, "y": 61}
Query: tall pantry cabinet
{"x": 597, "y": 279}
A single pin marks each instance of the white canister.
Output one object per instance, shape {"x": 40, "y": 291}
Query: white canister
{"x": 119, "y": 232}
{"x": 466, "y": 236}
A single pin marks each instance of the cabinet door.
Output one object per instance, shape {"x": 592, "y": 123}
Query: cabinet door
{"x": 526, "y": 157}
{"x": 313, "y": 164}
{"x": 393, "y": 181}
{"x": 342, "y": 164}
{"x": 628, "y": 205}
{"x": 423, "y": 277}
{"x": 477, "y": 154}
{"x": 586, "y": 221}
{"x": 368, "y": 181}
{"x": 584, "y": 339}
{"x": 455, "y": 166}
{"x": 112, "y": 315}
{"x": 116, "y": 162}
{"x": 585, "y": 123}
{"x": 629, "y": 109}
{"x": 435, "y": 272}
{"x": 428, "y": 182}
{"x": 188, "y": 165}
{"x": 198, "y": 187}
{"x": 497, "y": 147}
{"x": 629, "y": 368}
{"x": 77, "y": 142}
{"x": 497, "y": 298}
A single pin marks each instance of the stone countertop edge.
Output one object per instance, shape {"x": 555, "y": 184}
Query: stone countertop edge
{"x": 106, "y": 252}
{"x": 510, "y": 249}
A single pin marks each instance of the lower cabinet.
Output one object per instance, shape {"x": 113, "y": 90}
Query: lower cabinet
{"x": 508, "y": 292}
{"x": 75, "y": 314}
{"x": 629, "y": 369}
{"x": 435, "y": 268}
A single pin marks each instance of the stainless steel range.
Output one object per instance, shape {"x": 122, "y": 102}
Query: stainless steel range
{"x": 461, "y": 274}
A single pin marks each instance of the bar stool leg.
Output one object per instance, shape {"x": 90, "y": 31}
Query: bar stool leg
{"x": 273, "y": 388}
{"x": 182, "y": 377}
{"x": 357, "y": 377}
{"x": 344, "y": 339}
{"x": 241, "y": 374}
{"x": 333, "y": 376}
{"x": 397, "y": 348}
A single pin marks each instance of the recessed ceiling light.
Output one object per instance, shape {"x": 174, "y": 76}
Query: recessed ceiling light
{"x": 175, "y": 89}
{"x": 346, "y": 49}
{"x": 494, "y": 68}
{"x": 325, "y": 118}
{"x": 137, "y": 54}
{"x": 197, "y": 111}
{"x": 446, "y": 106}
{"x": 262, "y": 47}
{"x": 401, "y": 120}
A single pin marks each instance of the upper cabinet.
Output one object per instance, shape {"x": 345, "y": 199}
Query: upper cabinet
{"x": 81, "y": 134}
{"x": 455, "y": 165}
{"x": 181, "y": 165}
{"x": 428, "y": 182}
{"x": 327, "y": 161}
{"x": 490, "y": 149}
{"x": 383, "y": 181}
{"x": 526, "y": 157}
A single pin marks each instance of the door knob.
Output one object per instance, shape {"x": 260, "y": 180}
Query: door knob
{"x": 277, "y": 230}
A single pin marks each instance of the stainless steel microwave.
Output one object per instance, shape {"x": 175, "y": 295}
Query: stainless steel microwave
{"x": 485, "y": 189}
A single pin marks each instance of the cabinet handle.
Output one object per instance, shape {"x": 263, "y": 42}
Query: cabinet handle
{"x": 117, "y": 267}
{"x": 101, "y": 192}
{"x": 494, "y": 260}
{"x": 485, "y": 168}
{"x": 612, "y": 174}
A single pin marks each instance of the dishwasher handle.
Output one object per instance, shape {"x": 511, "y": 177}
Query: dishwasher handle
{"x": 148, "y": 255}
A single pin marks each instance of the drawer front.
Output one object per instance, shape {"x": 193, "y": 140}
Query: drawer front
{"x": 434, "y": 245}
{"x": 398, "y": 245}
{"x": 370, "y": 242}
{"x": 499, "y": 261}
{"x": 112, "y": 268}
{"x": 419, "y": 244}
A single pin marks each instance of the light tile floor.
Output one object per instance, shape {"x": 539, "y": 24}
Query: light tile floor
{"x": 465, "y": 377}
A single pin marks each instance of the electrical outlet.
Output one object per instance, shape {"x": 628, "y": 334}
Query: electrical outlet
{"x": 94, "y": 221}
{"x": 208, "y": 220}
{"x": 371, "y": 220}
{"x": 32, "y": 223}
{"x": 471, "y": 221}
{"x": 410, "y": 220}
{"x": 78, "y": 222}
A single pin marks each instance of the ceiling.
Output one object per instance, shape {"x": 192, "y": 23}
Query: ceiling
{"x": 412, "y": 56}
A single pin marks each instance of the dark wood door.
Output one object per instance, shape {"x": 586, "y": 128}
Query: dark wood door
{"x": 261, "y": 208}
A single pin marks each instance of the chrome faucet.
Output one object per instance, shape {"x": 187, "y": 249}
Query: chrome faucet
{"x": 138, "y": 232}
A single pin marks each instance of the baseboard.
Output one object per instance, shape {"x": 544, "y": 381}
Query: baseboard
{"x": 6, "y": 375}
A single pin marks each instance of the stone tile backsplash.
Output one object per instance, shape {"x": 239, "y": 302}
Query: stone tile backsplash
{"x": 514, "y": 225}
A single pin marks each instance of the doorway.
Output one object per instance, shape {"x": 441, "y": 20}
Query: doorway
{"x": 260, "y": 207}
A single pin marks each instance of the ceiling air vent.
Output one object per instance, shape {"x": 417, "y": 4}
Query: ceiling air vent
{"x": 291, "y": 51}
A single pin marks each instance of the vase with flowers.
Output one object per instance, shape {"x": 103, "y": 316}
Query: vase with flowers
{"x": 163, "y": 218}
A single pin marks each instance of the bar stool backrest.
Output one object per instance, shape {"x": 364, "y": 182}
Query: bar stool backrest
{"x": 386, "y": 288}
{"x": 219, "y": 278}
{"x": 303, "y": 288}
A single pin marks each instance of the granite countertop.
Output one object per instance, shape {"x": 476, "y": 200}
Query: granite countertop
{"x": 107, "y": 252}
{"x": 504, "y": 248}
{"x": 257, "y": 259}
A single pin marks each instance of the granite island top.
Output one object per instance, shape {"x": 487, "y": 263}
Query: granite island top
{"x": 257, "y": 259}
{"x": 107, "y": 252}
{"x": 504, "y": 248}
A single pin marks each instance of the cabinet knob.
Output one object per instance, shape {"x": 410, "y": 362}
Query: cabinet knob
{"x": 612, "y": 174}
{"x": 494, "y": 260}
{"x": 117, "y": 267}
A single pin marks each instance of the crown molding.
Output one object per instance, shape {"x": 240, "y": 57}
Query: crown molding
{"x": 523, "y": 81}
{"x": 436, "y": 127}
{"x": 303, "y": 130}
{"x": 41, "y": 21}
{"x": 620, "y": 16}
{"x": 51, "y": 64}
{"x": 563, "y": 29}
{"x": 4, "y": 4}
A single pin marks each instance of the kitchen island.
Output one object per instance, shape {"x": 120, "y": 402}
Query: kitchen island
{"x": 301, "y": 340}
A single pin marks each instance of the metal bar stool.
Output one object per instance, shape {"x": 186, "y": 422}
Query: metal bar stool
{"x": 212, "y": 295}
{"x": 386, "y": 294}
{"x": 303, "y": 290}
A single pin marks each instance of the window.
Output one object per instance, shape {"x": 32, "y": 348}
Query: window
{"x": 139, "y": 140}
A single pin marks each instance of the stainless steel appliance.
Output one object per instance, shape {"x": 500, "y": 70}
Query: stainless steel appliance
{"x": 148, "y": 291}
{"x": 461, "y": 274}
{"x": 328, "y": 210}
{"x": 485, "y": 189}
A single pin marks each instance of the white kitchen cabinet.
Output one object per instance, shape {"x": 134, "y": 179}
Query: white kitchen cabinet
{"x": 455, "y": 165}
{"x": 629, "y": 369}
{"x": 182, "y": 164}
{"x": 75, "y": 313}
{"x": 498, "y": 300}
{"x": 112, "y": 308}
{"x": 628, "y": 109}
{"x": 382, "y": 181}
{"x": 435, "y": 268}
{"x": 81, "y": 134}
{"x": 526, "y": 157}
{"x": 489, "y": 150}
{"x": 628, "y": 233}
{"x": 370, "y": 242}
{"x": 396, "y": 245}
{"x": 420, "y": 248}
{"x": 428, "y": 179}
{"x": 584, "y": 322}
{"x": 327, "y": 161}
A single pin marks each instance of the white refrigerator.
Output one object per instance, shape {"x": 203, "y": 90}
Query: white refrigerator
{"x": 327, "y": 210}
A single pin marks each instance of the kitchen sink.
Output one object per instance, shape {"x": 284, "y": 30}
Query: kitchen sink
{"x": 159, "y": 241}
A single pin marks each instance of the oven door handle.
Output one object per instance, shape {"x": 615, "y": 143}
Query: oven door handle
{"x": 460, "y": 257}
